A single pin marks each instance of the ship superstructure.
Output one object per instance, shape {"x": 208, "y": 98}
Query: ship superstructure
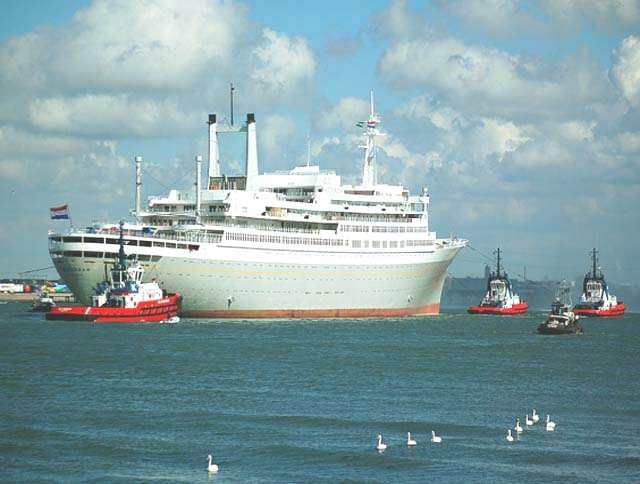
{"x": 296, "y": 243}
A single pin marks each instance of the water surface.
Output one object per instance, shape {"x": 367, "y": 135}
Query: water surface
{"x": 302, "y": 401}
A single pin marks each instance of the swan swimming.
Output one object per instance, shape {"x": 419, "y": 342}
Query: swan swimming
{"x": 434, "y": 438}
{"x": 527, "y": 421}
{"x": 509, "y": 436}
{"x": 534, "y": 416}
{"x": 211, "y": 467}
{"x": 380, "y": 447}
{"x": 518, "y": 428}
{"x": 551, "y": 425}
{"x": 410, "y": 442}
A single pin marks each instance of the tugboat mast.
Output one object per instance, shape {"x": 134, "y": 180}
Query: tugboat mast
{"x": 595, "y": 261}
{"x": 497, "y": 252}
{"x": 121, "y": 254}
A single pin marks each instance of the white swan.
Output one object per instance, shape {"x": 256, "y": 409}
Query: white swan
{"x": 434, "y": 438}
{"x": 518, "y": 428}
{"x": 534, "y": 416}
{"x": 527, "y": 421}
{"x": 509, "y": 436}
{"x": 211, "y": 467}
{"x": 380, "y": 447}
{"x": 551, "y": 425}
{"x": 410, "y": 442}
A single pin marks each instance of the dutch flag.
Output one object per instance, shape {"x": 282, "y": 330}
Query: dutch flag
{"x": 60, "y": 212}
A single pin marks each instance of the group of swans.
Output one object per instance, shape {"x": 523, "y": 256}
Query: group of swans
{"x": 535, "y": 418}
{"x": 381, "y": 447}
{"x": 410, "y": 442}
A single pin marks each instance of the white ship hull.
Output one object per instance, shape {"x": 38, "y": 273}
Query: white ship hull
{"x": 224, "y": 282}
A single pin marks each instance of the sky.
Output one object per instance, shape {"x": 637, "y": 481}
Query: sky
{"x": 522, "y": 118}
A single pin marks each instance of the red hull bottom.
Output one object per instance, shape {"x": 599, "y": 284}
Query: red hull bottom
{"x": 515, "y": 310}
{"x": 614, "y": 312}
{"x": 428, "y": 309}
{"x": 146, "y": 312}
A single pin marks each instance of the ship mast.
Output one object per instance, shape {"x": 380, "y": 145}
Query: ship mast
{"x": 370, "y": 171}
{"x": 595, "y": 261}
{"x": 497, "y": 252}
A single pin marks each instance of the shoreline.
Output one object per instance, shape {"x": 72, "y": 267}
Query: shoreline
{"x": 30, "y": 296}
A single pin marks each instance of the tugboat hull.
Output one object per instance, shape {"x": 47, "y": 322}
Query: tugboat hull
{"x": 612, "y": 312}
{"x": 514, "y": 310}
{"x": 545, "y": 328}
{"x": 146, "y": 312}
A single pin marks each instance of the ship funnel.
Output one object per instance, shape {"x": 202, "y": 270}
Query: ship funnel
{"x": 138, "y": 185}
{"x": 214, "y": 154}
{"x": 198, "y": 187}
{"x": 252, "y": 153}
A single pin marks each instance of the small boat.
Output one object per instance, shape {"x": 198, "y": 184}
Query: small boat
{"x": 596, "y": 300}
{"x": 43, "y": 303}
{"x": 499, "y": 298}
{"x": 124, "y": 298}
{"x": 561, "y": 320}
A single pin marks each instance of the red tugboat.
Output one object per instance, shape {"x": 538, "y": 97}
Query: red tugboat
{"x": 596, "y": 300}
{"x": 499, "y": 298}
{"x": 124, "y": 298}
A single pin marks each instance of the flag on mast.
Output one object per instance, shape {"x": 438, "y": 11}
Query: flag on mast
{"x": 61, "y": 212}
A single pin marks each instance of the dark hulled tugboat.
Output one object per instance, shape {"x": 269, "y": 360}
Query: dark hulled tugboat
{"x": 124, "y": 298}
{"x": 561, "y": 320}
{"x": 596, "y": 300}
{"x": 499, "y": 298}
{"x": 43, "y": 303}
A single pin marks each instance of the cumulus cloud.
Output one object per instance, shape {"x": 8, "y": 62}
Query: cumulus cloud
{"x": 605, "y": 14}
{"x": 277, "y": 141}
{"x": 282, "y": 65}
{"x": 146, "y": 68}
{"x": 127, "y": 45}
{"x": 493, "y": 139}
{"x": 502, "y": 18}
{"x": 398, "y": 21}
{"x": 110, "y": 115}
{"x": 482, "y": 77}
{"x": 14, "y": 142}
{"x": 423, "y": 107}
{"x": 343, "y": 115}
{"x": 625, "y": 71}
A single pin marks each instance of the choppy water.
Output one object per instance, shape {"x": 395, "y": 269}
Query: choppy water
{"x": 292, "y": 401}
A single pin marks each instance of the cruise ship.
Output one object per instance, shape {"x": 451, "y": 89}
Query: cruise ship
{"x": 292, "y": 244}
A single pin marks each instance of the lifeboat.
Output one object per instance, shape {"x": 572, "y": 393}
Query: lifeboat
{"x": 499, "y": 298}
{"x": 124, "y": 298}
{"x": 596, "y": 301}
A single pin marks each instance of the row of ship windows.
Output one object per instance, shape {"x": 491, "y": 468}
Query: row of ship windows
{"x": 383, "y": 228}
{"x": 130, "y": 242}
{"x": 391, "y": 244}
{"x": 102, "y": 255}
{"x": 282, "y": 239}
{"x": 356, "y": 244}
